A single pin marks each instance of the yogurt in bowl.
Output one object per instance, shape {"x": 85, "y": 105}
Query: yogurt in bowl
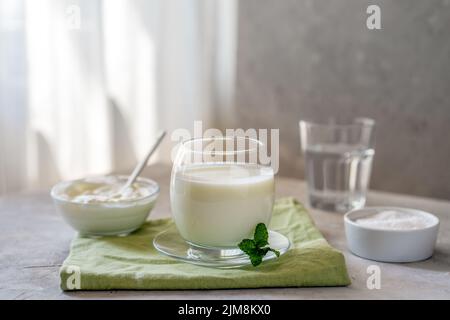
{"x": 97, "y": 206}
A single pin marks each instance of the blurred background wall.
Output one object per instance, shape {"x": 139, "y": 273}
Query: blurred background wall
{"x": 85, "y": 85}
{"x": 317, "y": 60}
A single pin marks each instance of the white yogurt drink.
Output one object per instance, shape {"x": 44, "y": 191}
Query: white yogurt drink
{"x": 219, "y": 204}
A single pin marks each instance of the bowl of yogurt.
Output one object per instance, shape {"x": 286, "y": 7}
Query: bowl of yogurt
{"x": 97, "y": 206}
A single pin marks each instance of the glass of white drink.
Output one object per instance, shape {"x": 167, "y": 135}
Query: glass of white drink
{"x": 219, "y": 192}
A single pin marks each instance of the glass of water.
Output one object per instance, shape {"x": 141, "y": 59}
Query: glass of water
{"x": 338, "y": 162}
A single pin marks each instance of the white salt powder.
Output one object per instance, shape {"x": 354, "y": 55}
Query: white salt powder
{"x": 395, "y": 220}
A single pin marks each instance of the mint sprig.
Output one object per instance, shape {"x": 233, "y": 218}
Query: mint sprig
{"x": 256, "y": 248}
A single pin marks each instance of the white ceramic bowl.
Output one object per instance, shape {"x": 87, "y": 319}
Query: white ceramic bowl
{"x": 106, "y": 219}
{"x": 390, "y": 245}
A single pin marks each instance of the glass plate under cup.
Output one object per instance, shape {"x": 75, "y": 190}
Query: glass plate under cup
{"x": 170, "y": 243}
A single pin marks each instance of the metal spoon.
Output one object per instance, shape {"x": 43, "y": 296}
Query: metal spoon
{"x": 141, "y": 165}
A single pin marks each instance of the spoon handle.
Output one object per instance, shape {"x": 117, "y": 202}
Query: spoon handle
{"x": 141, "y": 165}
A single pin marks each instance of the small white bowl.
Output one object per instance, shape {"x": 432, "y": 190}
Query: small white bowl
{"x": 390, "y": 245}
{"x": 106, "y": 218}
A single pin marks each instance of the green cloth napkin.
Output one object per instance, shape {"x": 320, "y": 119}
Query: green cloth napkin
{"x": 132, "y": 262}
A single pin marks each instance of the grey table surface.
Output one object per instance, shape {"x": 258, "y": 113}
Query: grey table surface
{"x": 34, "y": 241}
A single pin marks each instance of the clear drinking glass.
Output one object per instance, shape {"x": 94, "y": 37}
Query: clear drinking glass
{"x": 220, "y": 191}
{"x": 338, "y": 162}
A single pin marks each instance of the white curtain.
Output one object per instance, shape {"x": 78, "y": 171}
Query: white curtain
{"x": 86, "y": 84}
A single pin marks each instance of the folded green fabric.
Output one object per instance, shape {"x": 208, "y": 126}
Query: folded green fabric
{"x": 132, "y": 262}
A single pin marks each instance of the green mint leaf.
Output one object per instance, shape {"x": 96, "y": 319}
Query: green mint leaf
{"x": 256, "y": 249}
{"x": 256, "y": 259}
{"x": 248, "y": 246}
{"x": 277, "y": 253}
{"x": 261, "y": 235}
{"x": 262, "y": 251}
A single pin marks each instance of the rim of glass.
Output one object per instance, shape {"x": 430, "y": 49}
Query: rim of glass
{"x": 185, "y": 144}
{"x": 357, "y": 122}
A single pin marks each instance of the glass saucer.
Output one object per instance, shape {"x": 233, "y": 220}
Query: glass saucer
{"x": 170, "y": 243}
